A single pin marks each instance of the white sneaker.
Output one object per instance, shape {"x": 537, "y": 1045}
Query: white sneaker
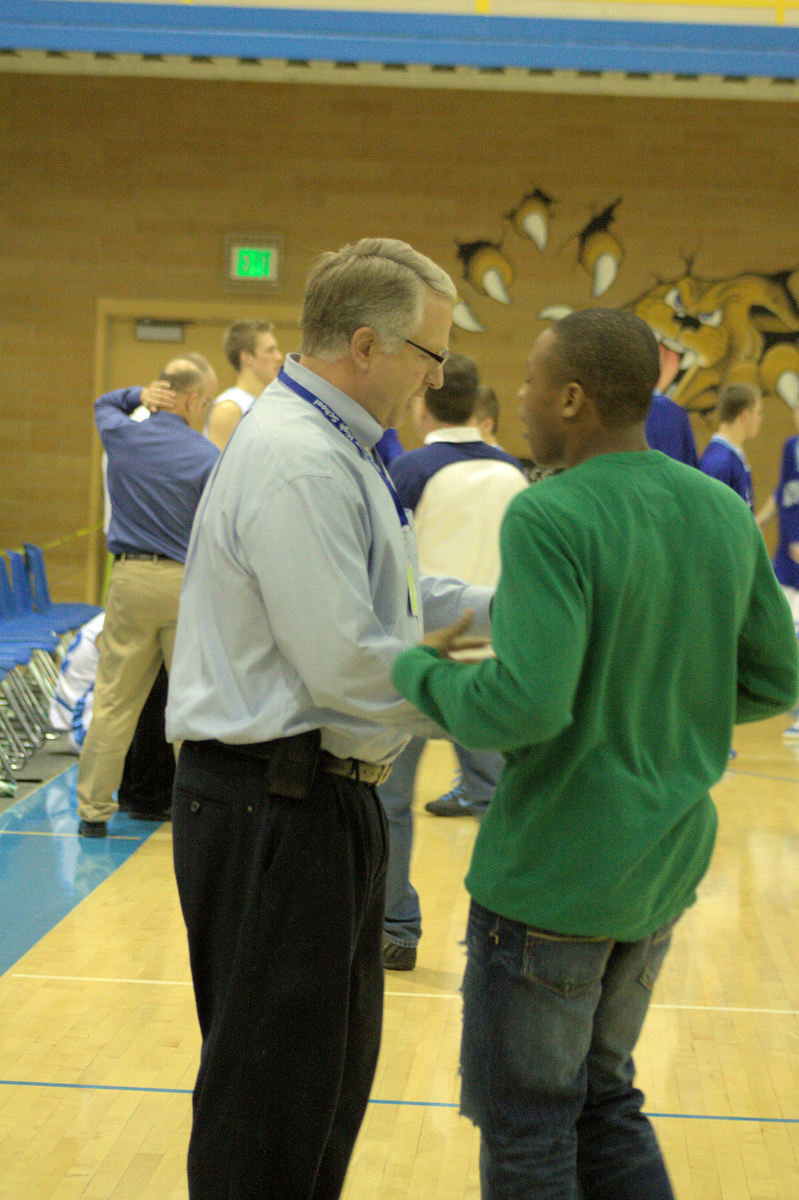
{"x": 791, "y": 732}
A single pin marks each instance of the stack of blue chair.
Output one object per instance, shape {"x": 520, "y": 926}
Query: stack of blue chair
{"x": 34, "y": 633}
{"x": 64, "y": 617}
{"x": 28, "y": 673}
{"x": 23, "y": 718}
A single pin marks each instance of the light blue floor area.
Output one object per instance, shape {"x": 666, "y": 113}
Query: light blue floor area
{"x": 46, "y": 869}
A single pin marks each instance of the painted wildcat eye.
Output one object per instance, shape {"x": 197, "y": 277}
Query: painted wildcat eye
{"x": 713, "y": 318}
{"x": 674, "y": 300}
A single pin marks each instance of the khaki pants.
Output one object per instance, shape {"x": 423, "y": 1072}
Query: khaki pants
{"x": 138, "y": 635}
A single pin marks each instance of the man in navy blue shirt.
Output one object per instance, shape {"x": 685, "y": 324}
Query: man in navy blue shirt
{"x": 740, "y": 410}
{"x": 157, "y": 470}
{"x": 389, "y": 447}
{"x": 668, "y": 429}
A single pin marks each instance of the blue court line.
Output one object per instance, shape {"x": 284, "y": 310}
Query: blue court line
{"x": 46, "y": 870}
{"x": 40, "y": 897}
{"x": 164, "y": 1091}
{"x": 759, "y": 775}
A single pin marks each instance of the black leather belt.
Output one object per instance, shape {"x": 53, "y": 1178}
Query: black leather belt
{"x": 293, "y": 760}
{"x": 140, "y": 556}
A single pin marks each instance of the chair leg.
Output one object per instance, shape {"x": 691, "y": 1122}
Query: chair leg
{"x": 45, "y": 669}
{"x": 15, "y": 692}
{"x": 8, "y": 763}
{"x": 37, "y": 703}
{"x": 19, "y": 746}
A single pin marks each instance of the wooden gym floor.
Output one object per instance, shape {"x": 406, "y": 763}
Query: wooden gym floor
{"x": 99, "y": 1043}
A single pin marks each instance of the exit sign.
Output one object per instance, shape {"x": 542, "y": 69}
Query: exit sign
{"x": 253, "y": 261}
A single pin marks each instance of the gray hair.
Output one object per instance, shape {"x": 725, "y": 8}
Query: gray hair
{"x": 182, "y": 375}
{"x": 198, "y": 360}
{"x": 379, "y": 282}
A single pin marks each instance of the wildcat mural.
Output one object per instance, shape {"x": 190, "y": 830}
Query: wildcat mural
{"x": 709, "y": 330}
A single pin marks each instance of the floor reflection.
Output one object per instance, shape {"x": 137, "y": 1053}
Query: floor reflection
{"x": 46, "y": 869}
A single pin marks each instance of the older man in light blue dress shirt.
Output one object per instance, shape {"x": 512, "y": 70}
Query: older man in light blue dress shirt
{"x": 302, "y": 586}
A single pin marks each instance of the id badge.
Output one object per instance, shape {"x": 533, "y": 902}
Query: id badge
{"x": 413, "y": 595}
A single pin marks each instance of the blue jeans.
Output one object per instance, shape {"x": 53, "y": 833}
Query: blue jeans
{"x": 480, "y": 771}
{"x": 549, "y": 1026}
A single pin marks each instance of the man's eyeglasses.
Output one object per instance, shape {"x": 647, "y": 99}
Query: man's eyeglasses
{"x": 439, "y": 358}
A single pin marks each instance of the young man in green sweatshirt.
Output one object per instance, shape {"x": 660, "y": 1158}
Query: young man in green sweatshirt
{"x": 636, "y": 620}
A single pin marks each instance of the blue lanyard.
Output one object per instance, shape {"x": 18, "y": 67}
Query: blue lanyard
{"x": 344, "y": 429}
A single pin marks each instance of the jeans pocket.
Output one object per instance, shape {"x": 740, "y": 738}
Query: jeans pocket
{"x": 568, "y": 966}
{"x": 482, "y": 932}
{"x": 658, "y": 947}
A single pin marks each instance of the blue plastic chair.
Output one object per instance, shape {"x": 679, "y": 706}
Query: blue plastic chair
{"x": 23, "y": 701}
{"x": 19, "y": 627}
{"x": 29, "y": 650}
{"x": 22, "y": 600}
{"x": 13, "y": 745}
{"x": 65, "y": 617}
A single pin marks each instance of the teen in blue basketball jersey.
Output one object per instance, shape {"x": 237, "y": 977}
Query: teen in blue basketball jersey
{"x": 740, "y": 410}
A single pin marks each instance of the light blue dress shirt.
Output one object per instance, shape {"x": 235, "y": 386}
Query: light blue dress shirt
{"x": 295, "y": 599}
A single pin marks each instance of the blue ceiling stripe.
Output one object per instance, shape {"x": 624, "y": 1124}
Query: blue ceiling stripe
{"x": 383, "y": 24}
{"x": 297, "y": 21}
{"x": 487, "y": 42}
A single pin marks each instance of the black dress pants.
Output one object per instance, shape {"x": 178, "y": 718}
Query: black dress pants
{"x": 283, "y": 902}
{"x": 149, "y": 773}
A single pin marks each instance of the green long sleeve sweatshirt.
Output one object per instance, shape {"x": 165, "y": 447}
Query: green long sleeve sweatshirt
{"x": 637, "y": 618}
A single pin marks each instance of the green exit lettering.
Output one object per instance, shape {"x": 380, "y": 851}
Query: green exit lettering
{"x": 253, "y": 262}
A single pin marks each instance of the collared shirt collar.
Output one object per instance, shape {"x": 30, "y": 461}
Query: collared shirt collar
{"x": 454, "y": 433}
{"x": 362, "y": 424}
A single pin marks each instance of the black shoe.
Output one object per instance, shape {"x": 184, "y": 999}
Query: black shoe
{"x": 92, "y": 829}
{"x": 398, "y": 958}
{"x": 157, "y": 814}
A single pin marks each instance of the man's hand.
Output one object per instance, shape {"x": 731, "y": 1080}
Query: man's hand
{"x": 449, "y": 641}
{"x": 158, "y": 395}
